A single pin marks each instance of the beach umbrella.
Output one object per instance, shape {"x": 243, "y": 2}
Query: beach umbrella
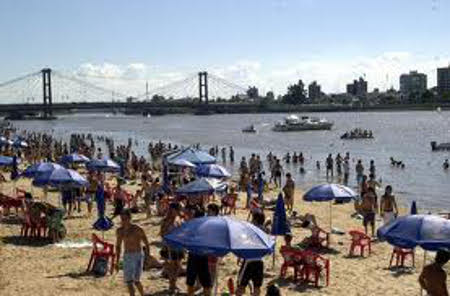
{"x": 6, "y": 160}
{"x": 220, "y": 235}
{"x": 430, "y": 232}
{"x": 280, "y": 225}
{"x": 103, "y": 165}
{"x": 60, "y": 177}
{"x": 213, "y": 171}
{"x": 330, "y": 192}
{"x": 413, "y": 208}
{"x": 18, "y": 143}
{"x": 38, "y": 168}
{"x": 192, "y": 155}
{"x": 74, "y": 158}
{"x": 183, "y": 163}
{"x": 5, "y": 141}
{"x": 202, "y": 186}
{"x": 103, "y": 223}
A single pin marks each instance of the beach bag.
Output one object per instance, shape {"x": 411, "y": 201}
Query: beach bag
{"x": 100, "y": 268}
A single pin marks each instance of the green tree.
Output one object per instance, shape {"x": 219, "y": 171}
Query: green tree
{"x": 252, "y": 92}
{"x": 296, "y": 94}
{"x": 158, "y": 99}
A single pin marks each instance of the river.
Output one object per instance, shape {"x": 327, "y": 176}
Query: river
{"x": 406, "y": 136}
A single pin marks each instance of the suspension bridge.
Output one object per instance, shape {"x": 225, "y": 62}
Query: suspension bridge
{"x": 46, "y": 92}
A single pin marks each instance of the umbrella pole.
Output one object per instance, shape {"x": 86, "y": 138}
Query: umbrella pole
{"x": 274, "y": 251}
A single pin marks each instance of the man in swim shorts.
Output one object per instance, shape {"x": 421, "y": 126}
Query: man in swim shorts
{"x": 132, "y": 237}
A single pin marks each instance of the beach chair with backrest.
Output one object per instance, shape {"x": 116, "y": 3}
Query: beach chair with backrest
{"x": 400, "y": 255}
{"x": 359, "y": 240}
{"x": 292, "y": 258}
{"x": 100, "y": 248}
{"x": 312, "y": 267}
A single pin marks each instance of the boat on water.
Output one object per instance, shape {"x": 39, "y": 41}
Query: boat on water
{"x": 357, "y": 134}
{"x": 305, "y": 123}
{"x": 249, "y": 129}
{"x": 439, "y": 147}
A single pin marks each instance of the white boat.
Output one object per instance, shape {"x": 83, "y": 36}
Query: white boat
{"x": 305, "y": 123}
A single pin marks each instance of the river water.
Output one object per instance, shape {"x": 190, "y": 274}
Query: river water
{"x": 406, "y": 136}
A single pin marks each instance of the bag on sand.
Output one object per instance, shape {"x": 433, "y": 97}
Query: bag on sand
{"x": 100, "y": 268}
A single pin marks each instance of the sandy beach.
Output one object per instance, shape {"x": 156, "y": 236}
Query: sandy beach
{"x": 30, "y": 267}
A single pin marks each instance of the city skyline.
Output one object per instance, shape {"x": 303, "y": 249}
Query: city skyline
{"x": 270, "y": 44}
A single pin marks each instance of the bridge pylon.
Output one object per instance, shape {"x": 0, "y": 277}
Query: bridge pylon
{"x": 203, "y": 87}
{"x": 47, "y": 92}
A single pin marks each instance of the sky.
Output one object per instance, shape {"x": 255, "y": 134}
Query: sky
{"x": 267, "y": 43}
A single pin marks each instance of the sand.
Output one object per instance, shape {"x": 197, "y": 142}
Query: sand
{"x": 30, "y": 268}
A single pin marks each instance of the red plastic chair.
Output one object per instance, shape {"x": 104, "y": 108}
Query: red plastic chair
{"x": 101, "y": 249}
{"x": 320, "y": 238}
{"x": 361, "y": 240}
{"x": 291, "y": 258}
{"x": 400, "y": 255}
{"x": 312, "y": 266}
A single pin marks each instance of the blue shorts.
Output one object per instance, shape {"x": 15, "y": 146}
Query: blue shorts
{"x": 132, "y": 267}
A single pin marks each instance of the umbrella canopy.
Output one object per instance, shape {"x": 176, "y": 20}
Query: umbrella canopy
{"x": 38, "y": 168}
{"x": 103, "y": 165}
{"x": 60, "y": 178}
{"x": 183, "y": 163}
{"x": 192, "y": 155}
{"x": 280, "y": 224}
{"x": 18, "y": 143}
{"x": 103, "y": 223}
{"x": 202, "y": 186}
{"x": 6, "y": 160}
{"x": 329, "y": 192}
{"x": 221, "y": 235}
{"x": 213, "y": 171}
{"x": 5, "y": 141}
{"x": 74, "y": 158}
{"x": 430, "y": 232}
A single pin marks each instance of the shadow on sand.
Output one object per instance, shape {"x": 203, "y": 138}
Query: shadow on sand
{"x": 17, "y": 240}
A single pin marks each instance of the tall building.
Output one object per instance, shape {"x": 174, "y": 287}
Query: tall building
{"x": 443, "y": 80}
{"x": 314, "y": 91}
{"x": 358, "y": 87}
{"x": 413, "y": 83}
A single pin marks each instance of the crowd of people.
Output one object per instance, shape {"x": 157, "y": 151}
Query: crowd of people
{"x": 157, "y": 197}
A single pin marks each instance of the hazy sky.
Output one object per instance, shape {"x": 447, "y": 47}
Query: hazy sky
{"x": 269, "y": 43}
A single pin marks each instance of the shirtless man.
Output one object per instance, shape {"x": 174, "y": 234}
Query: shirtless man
{"x": 368, "y": 208}
{"x": 433, "y": 278}
{"x": 288, "y": 191}
{"x": 132, "y": 237}
{"x": 388, "y": 206}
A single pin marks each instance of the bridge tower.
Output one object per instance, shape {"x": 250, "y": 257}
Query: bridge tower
{"x": 203, "y": 87}
{"x": 47, "y": 91}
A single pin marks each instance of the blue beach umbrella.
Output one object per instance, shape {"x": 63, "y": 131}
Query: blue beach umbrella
{"x": 6, "y": 160}
{"x": 213, "y": 171}
{"x": 430, "y": 232}
{"x": 202, "y": 186}
{"x": 183, "y": 163}
{"x": 192, "y": 155}
{"x": 103, "y": 223}
{"x": 220, "y": 235}
{"x": 18, "y": 143}
{"x": 5, "y": 141}
{"x": 280, "y": 225}
{"x": 60, "y": 177}
{"x": 103, "y": 165}
{"x": 330, "y": 192}
{"x": 74, "y": 158}
{"x": 38, "y": 168}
